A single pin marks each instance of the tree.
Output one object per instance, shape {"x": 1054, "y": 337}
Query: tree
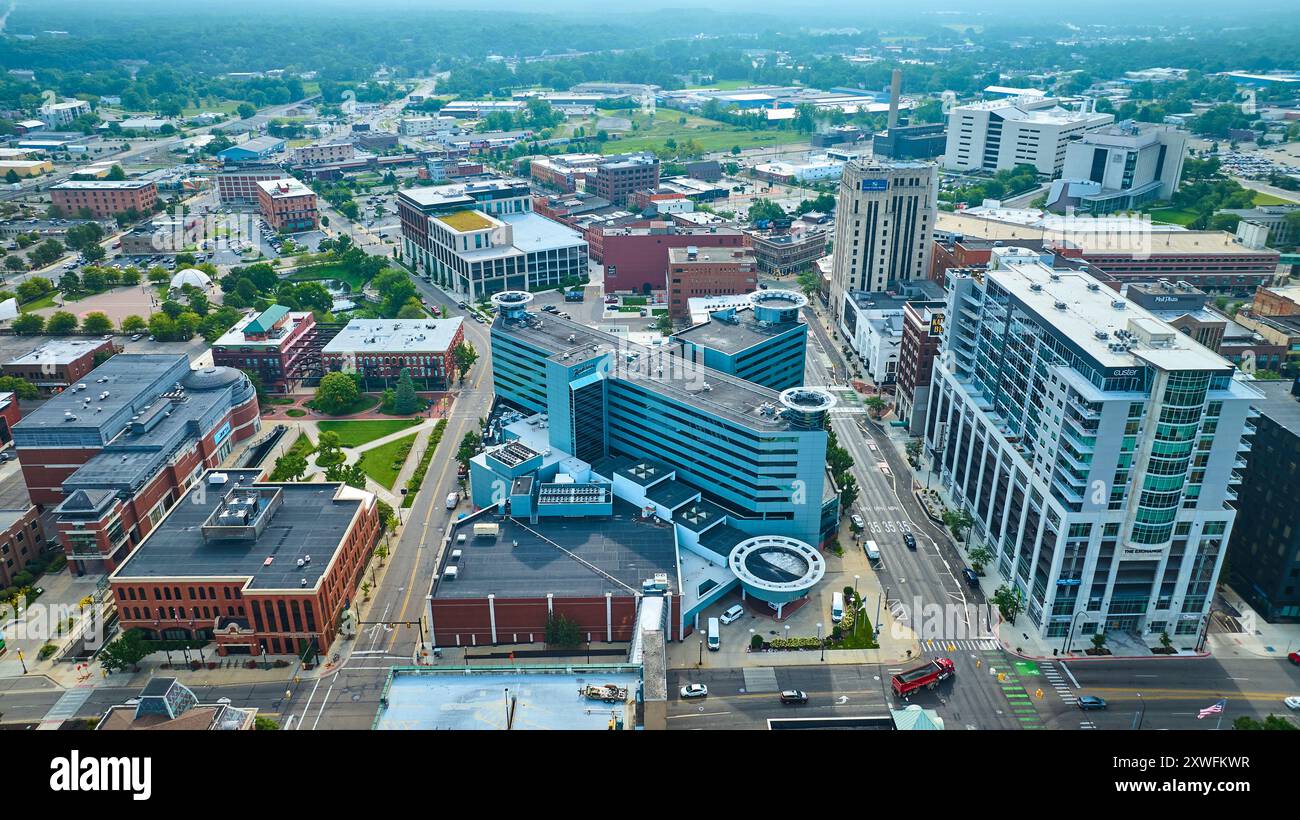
{"x": 1008, "y": 603}
{"x": 405, "y": 400}
{"x": 395, "y": 289}
{"x": 562, "y": 631}
{"x": 762, "y": 208}
{"x": 29, "y": 324}
{"x": 465, "y": 356}
{"x": 469, "y": 447}
{"x": 127, "y": 650}
{"x": 329, "y": 449}
{"x": 1270, "y": 723}
{"x": 19, "y": 386}
{"x": 97, "y": 323}
{"x": 411, "y": 310}
{"x": 116, "y": 173}
{"x": 1099, "y": 642}
{"x": 958, "y": 521}
{"x": 337, "y": 393}
{"x": 14, "y": 263}
{"x": 289, "y": 467}
{"x": 848, "y": 491}
{"x": 913, "y": 449}
{"x": 46, "y": 253}
{"x": 350, "y": 474}
{"x": 876, "y": 405}
{"x": 61, "y": 322}
{"x": 979, "y": 558}
{"x": 809, "y": 282}
{"x": 133, "y": 324}
{"x": 245, "y": 110}
{"x": 12, "y": 177}
{"x": 162, "y": 327}
{"x": 261, "y": 722}
{"x": 82, "y": 236}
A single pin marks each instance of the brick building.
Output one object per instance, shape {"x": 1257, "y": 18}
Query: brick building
{"x": 10, "y": 413}
{"x": 114, "y": 456}
{"x": 789, "y": 251}
{"x": 694, "y": 271}
{"x": 288, "y": 205}
{"x": 276, "y": 344}
{"x": 256, "y": 567}
{"x": 636, "y": 257}
{"x": 317, "y": 154}
{"x": 104, "y": 198}
{"x": 1278, "y": 300}
{"x": 21, "y": 536}
{"x": 379, "y": 349}
{"x": 58, "y": 363}
{"x": 617, "y": 177}
{"x": 922, "y": 333}
{"x": 238, "y": 186}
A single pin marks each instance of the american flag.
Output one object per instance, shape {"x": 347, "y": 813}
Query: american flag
{"x": 1212, "y": 710}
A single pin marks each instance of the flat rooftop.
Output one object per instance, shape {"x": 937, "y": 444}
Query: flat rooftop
{"x": 737, "y": 400}
{"x": 311, "y": 520}
{"x": 1093, "y": 235}
{"x": 1279, "y": 404}
{"x": 235, "y": 336}
{"x": 544, "y": 698}
{"x": 286, "y": 187}
{"x": 534, "y": 232}
{"x": 395, "y": 336}
{"x": 1064, "y": 301}
{"x": 57, "y": 352}
{"x": 678, "y": 256}
{"x": 467, "y": 220}
{"x": 626, "y": 550}
{"x": 730, "y": 336}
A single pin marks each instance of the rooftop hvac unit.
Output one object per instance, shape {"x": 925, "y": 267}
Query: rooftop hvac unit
{"x": 1035, "y": 287}
{"x": 455, "y": 554}
{"x": 300, "y": 563}
{"x": 1060, "y": 305}
{"x": 450, "y": 573}
{"x": 218, "y": 478}
{"x": 303, "y": 583}
{"x": 1093, "y": 286}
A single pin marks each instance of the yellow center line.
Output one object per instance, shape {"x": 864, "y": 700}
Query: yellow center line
{"x": 1113, "y": 693}
{"x": 415, "y": 565}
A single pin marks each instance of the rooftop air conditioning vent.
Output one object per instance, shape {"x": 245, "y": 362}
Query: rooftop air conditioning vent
{"x": 1035, "y": 287}
{"x": 1060, "y": 305}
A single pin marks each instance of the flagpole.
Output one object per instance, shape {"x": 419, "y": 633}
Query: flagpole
{"x": 1219, "y": 722}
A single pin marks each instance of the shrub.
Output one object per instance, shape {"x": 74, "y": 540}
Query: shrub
{"x": 756, "y": 642}
{"x": 46, "y": 651}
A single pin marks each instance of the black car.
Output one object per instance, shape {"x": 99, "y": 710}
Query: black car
{"x": 909, "y": 540}
{"x": 794, "y": 696}
{"x": 971, "y": 578}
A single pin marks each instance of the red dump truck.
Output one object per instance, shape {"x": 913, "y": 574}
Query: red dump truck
{"x": 926, "y": 676}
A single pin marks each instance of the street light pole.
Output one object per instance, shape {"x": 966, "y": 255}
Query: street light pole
{"x": 1142, "y": 716}
{"x": 820, "y": 642}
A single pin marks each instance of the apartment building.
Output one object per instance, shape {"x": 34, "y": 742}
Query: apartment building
{"x": 104, "y": 199}
{"x": 288, "y": 205}
{"x": 1097, "y": 449}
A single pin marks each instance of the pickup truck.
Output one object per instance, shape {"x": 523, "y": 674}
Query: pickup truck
{"x": 925, "y": 676}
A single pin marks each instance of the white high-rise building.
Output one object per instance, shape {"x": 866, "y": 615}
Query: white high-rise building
{"x": 884, "y": 227}
{"x": 1119, "y": 168}
{"x": 995, "y": 135}
{"x": 1095, "y": 446}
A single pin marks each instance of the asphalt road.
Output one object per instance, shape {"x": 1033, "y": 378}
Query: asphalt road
{"x": 741, "y": 699}
{"x": 27, "y": 700}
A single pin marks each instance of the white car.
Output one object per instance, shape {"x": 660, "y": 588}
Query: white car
{"x": 1292, "y": 702}
{"x": 858, "y": 522}
{"x": 733, "y": 614}
{"x": 695, "y": 690}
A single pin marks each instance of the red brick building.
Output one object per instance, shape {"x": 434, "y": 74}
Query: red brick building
{"x": 256, "y": 567}
{"x": 379, "y": 349}
{"x": 618, "y": 177}
{"x": 922, "y": 333}
{"x": 115, "y": 456}
{"x": 276, "y": 344}
{"x": 288, "y": 205}
{"x": 104, "y": 198}
{"x": 238, "y": 186}
{"x": 695, "y": 272}
{"x": 58, "y": 363}
{"x": 636, "y": 257}
{"x": 9, "y": 416}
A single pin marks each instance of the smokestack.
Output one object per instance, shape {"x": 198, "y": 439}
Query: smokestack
{"x": 894, "y": 84}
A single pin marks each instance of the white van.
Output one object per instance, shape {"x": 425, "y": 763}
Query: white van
{"x": 873, "y": 551}
{"x": 452, "y": 500}
{"x": 715, "y": 635}
{"x": 837, "y": 607}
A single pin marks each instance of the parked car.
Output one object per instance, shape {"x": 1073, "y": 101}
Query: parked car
{"x": 695, "y": 690}
{"x": 1089, "y": 703}
{"x": 857, "y": 521}
{"x": 971, "y": 578}
{"x": 135, "y": 337}
{"x": 6, "y": 456}
{"x": 794, "y": 696}
{"x": 1294, "y": 657}
{"x": 733, "y": 614}
{"x": 909, "y": 540}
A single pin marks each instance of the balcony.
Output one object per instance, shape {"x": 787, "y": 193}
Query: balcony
{"x": 1234, "y": 478}
{"x": 1243, "y": 446}
{"x": 1067, "y": 491}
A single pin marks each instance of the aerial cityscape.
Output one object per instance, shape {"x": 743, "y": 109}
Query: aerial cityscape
{"x": 766, "y": 366}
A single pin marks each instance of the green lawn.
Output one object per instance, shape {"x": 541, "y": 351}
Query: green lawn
{"x": 1176, "y": 216}
{"x": 36, "y": 304}
{"x": 325, "y": 272}
{"x": 712, "y": 135}
{"x": 383, "y": 463}
{"x": 365, "y": 402}
{"x": 1268, "y": 199}
{"x": 356, "y": 433}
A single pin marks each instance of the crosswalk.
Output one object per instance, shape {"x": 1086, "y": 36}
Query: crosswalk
{"x": 940, "y": 646}
{"x": 1059, "y": 683}
{"x": 65, "y": 707}
{"x": 760, "y": 679}
{"x": 1087, "y": 724}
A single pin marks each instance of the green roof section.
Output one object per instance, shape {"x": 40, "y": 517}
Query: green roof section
{"x": 266, "y": 320}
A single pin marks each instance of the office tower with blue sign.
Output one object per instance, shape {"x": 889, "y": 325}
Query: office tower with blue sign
{"x": 884, "y": 227}
{"x": 1096, "y": 447}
